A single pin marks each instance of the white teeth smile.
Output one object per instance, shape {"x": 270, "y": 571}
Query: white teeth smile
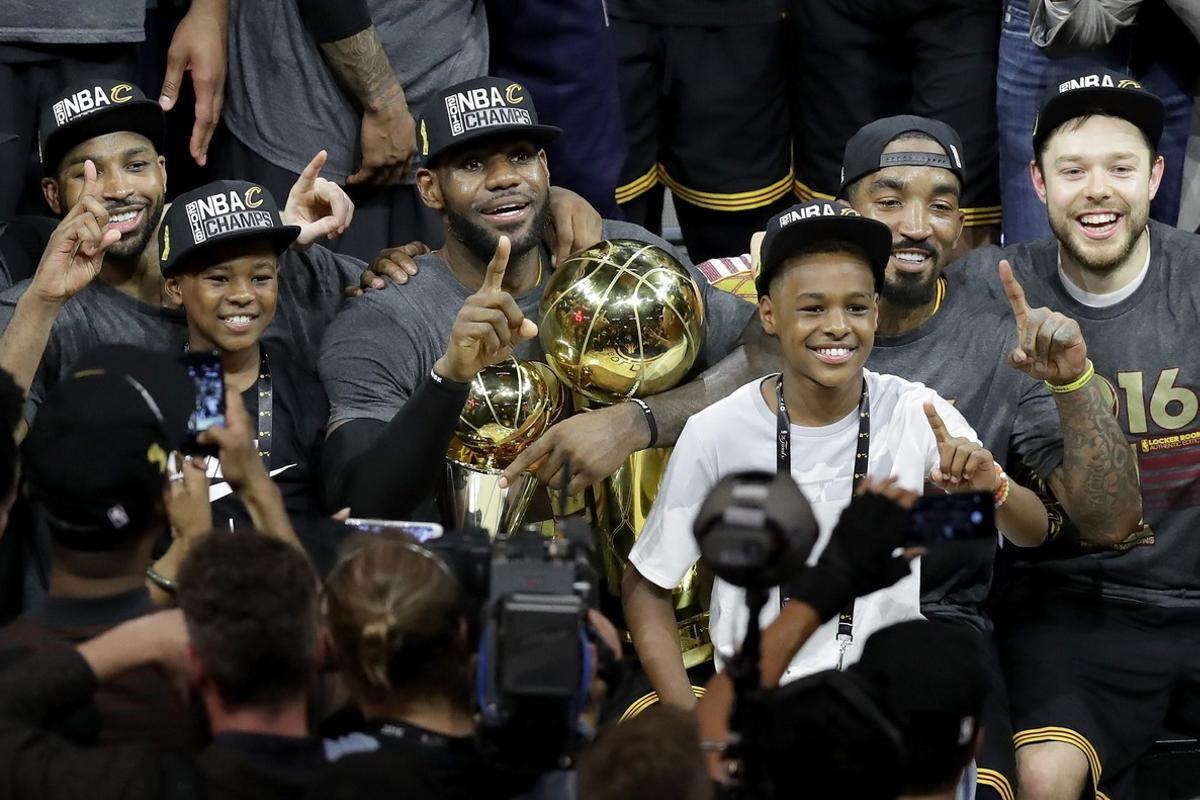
{"x": 125, "y": 216}
{"x": 241, "y": 320}
{"x": 833, "y": 352}
{"x": 911, "y": 256}
{"x": 1098, "y": 219}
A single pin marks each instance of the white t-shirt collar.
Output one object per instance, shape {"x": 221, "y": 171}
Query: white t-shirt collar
{"x": 1093, "y": 300}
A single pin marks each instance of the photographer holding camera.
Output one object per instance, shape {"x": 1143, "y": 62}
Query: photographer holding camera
{"x": 398, "y": 618}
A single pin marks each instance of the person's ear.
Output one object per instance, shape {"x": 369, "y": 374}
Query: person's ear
{"x": 1039, "y": 181}
{"x": 50, "y": 192}
{"x": 174, "y": 290}
{"x": 545, "y": 164}
{"x": 196, "y": 673}
{"x": 430, "y": 188}
{"x": 1156, "y": 174}
{"x": 766, "y": 315}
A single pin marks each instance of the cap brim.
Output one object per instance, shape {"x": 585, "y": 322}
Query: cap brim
{"x": 281, "y": 239}
{"x": 144, "y": 117}
{"x": 874, "y": 237}
{"x": 539, "y": 134}
{"x": 1140, "y": 108}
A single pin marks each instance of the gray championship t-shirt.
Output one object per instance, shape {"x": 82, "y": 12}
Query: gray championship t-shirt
{"x": 310, "y": 293}
{"x": 1144, "y": 348}
{"x": 284, "y": 102}
{"x": 384, "y": 343}
{"x": 72, "y": 21}
{"x": 961, "y": 353}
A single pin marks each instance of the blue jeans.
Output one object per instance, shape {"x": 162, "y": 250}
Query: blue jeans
{"x": 1021, "y": 81}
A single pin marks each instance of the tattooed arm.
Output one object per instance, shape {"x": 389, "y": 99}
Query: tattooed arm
{"x": 1097, "y": 483}
{"x": 388, "y": 132}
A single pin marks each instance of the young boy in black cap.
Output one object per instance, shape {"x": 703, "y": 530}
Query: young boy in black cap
{"x": 219, "y": 249}
{"x": 822, "y": 266}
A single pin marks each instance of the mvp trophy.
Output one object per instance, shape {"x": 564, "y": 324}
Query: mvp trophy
{"x": 511, "y": 404}
{"x": 624, "y": 319}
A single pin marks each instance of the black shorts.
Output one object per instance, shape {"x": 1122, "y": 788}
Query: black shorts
{"x": 1096, "y": 673}
{"x": 856, "y": 61}
{"x": 705, "y": 112}
{"x": 996, "y": 765}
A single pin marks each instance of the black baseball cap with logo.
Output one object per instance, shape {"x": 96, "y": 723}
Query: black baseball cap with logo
{"x": 86, "y": 110}
{"x": 821, "y": 221}
{"x": 864, "y": 152}
{"x": 1101, "y": 91}
{"x": 477, "y": 108}
{"x": 219, "y": 213}
{"x": 96, "y": 455}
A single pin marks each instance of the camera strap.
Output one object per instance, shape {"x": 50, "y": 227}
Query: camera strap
{"x": 862, "y": 449}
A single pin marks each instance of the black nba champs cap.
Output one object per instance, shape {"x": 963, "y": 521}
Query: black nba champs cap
{"x": 96, "y": 454}
{"x": 217, "y": 213}
{"x": 1101, "y": 91}
{"x": 91, "y": 109}
{"x": 476, "y": 108}
{"x": 864, "y": 152}
{"x": 821, "y": 221}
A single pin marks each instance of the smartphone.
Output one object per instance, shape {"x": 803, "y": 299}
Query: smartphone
{"x": 208, "y": 375}
{"x": 940, "y": 518}
{"x": 421, "y": 531}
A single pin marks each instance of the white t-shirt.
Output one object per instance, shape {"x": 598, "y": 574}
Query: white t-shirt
{"x": 737, "y": 434}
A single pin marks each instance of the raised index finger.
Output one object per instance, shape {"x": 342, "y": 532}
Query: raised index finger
{"x": 89, "y": 180}
{"x": 940, "y": 434}
{"x": 1016, "y": 295}
{"x": 494, "y": 278}
{"x": 309, "y": 176}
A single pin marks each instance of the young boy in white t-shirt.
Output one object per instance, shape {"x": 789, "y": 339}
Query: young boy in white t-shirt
{"x": 822, "y": 265}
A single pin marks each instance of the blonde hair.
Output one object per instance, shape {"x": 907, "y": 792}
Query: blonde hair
{"x": 393, "y": 610}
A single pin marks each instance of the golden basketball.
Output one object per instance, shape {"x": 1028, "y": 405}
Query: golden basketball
{"x": 511, "y": 404}
{"x": 621, "y": 319}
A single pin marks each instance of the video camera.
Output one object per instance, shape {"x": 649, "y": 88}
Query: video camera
{"x": 530, "y": 594}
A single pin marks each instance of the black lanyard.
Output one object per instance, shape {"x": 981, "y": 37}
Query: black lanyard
{"x": 862, "y": 449}
{"x": 266, "y": 401}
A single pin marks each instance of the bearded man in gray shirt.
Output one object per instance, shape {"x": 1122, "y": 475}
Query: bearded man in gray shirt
{"x": 380, "y": 359}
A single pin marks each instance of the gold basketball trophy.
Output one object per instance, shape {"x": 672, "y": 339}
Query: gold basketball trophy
{"x": 624, "y": 319}
{"x": 511, "y": 404}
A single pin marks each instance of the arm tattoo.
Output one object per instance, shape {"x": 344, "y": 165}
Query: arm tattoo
{"x": 756, "y": 354}
{"x": 361, "y": 65}
{"x": 1098, "y": 482}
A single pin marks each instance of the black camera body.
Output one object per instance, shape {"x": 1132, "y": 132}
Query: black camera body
{"x": 531, "y": 594}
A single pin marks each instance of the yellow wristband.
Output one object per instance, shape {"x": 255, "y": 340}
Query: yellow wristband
{"x": 1076, "y": 384}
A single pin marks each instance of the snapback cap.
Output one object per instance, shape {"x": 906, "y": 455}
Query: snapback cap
{"x": 821, "y": 221}
{"x": 218, "y": 213}
{"x": 84, "y": 111}
{"x": 96, "y": 454}
{"x": 864, "y": 152}
{"x": 1101, "y": 91}
{"x": 475, "y": 109}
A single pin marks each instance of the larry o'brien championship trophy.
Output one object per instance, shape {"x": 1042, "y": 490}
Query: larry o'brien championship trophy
{"x": 624, "y": 319}
{"x": 511, "y": 404}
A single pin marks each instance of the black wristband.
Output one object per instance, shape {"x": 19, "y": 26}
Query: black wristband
{"x": 640, "y": 403}
{"x": 449, "y": 384}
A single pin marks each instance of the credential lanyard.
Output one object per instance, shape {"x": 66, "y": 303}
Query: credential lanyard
{"x": 862, "y": 449}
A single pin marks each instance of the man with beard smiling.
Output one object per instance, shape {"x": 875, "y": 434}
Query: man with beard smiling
{"x": 485, "y": 173}
{"x": 100, "y": 148}
{"x": 1094, "y": 646}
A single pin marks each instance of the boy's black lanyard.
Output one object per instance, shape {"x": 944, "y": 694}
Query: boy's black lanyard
{"x": 862, "y": 449}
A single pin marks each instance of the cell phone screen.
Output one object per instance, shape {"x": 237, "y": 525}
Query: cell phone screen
{"x": 935, "y": 519}
{"x": 421, "y": 531}
{"x": 208, "y": 376}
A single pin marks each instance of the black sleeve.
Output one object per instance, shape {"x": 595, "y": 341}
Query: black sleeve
{"x": 35, "y": 763}
{"x": 386, "y": 470}
{"x": 331, "y": 20}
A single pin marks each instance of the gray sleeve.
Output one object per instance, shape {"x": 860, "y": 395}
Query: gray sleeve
{"x": 1037, "y": 434}
{"x": 725, "y": 315}
{"x": 367, "y": 364}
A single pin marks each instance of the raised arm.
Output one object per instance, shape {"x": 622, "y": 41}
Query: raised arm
{"x": 1097, "y": 483}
